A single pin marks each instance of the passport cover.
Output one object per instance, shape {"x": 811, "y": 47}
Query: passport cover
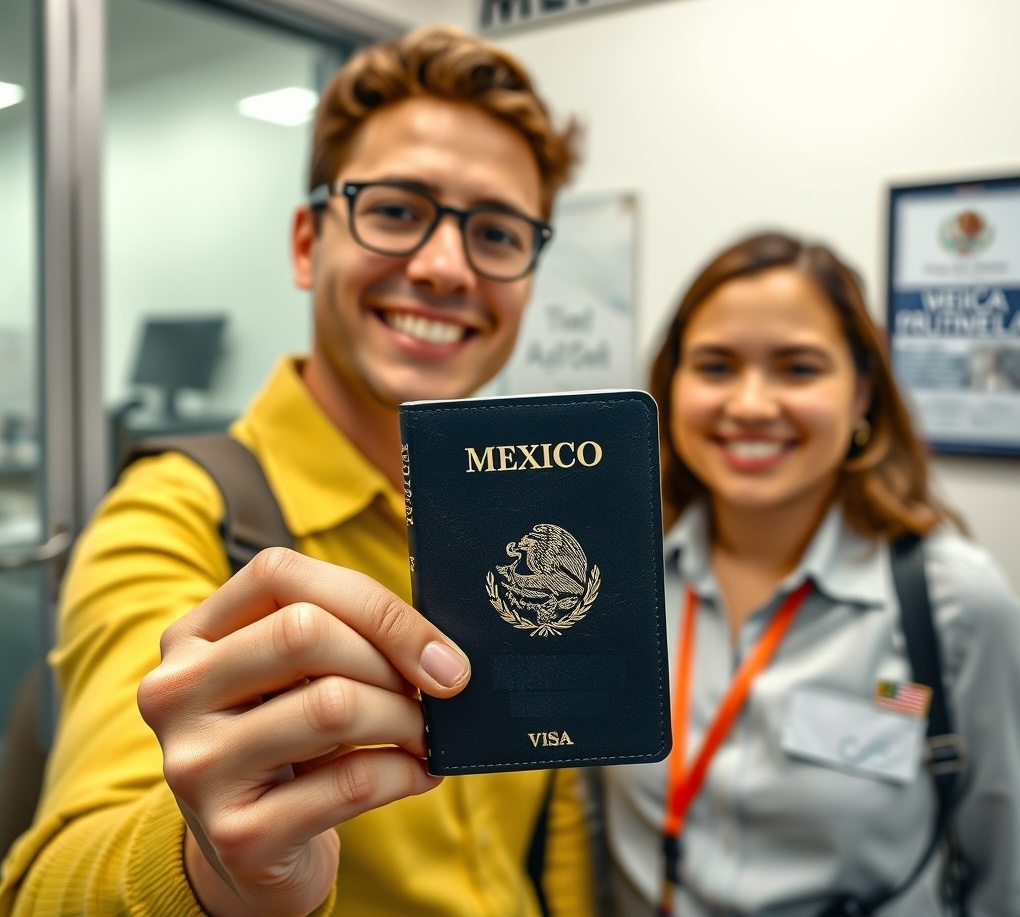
{"x": 535, "y": 533}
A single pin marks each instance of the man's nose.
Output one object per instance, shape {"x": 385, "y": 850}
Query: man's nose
{"x": 441, "y": 262}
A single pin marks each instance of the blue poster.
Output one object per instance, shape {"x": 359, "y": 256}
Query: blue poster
{"x": 954, "y": 311}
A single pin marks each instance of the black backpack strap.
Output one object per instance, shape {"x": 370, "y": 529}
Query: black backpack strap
{"x": 946, "y": 755}
{"x": 251, "y": 517}
{"x": 537, "y": 850}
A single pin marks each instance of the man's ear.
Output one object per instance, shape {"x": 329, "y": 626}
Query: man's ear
{"x": 302, "y": 248}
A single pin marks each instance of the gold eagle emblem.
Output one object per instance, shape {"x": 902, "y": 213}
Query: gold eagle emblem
{"x": 547, "y": 587}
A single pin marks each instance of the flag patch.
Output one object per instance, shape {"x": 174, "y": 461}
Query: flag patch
{"x": 903, "y": 697}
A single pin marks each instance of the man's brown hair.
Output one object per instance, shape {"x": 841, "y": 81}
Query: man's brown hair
{"x": 883, "y": 485}
{"x": 445, "y": 63}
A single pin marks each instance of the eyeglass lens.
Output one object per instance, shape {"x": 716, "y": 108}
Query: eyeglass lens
{"x": 395, "y": 221}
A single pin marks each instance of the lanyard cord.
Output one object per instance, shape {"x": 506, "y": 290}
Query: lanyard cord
{"x": 683, "y": 787}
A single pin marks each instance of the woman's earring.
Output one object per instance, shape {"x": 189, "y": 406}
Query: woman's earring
{"x": 862, "y": 433}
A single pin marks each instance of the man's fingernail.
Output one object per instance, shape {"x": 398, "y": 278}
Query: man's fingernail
{"x": 443, "y": 663}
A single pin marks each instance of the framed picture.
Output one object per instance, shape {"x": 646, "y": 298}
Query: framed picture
{"x": 954, "y": 310}
{"x": 578, "y": 332}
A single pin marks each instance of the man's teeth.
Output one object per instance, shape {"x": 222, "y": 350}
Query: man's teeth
{"x": 754, "y": 450}
{"x": 424, "y": 329}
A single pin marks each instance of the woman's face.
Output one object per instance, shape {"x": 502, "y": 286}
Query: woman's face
{"x": 766, "y": 396}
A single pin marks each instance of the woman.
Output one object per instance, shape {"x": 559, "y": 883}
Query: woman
{"x": 790, "y": 468}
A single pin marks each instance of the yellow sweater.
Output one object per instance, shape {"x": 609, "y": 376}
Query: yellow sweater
{"x": 107, "y": 838}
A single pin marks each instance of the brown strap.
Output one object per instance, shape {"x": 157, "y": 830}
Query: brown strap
{"x": 251, "y": 519}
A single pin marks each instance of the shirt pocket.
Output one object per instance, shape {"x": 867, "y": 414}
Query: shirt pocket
{"x": 850, "y": 734}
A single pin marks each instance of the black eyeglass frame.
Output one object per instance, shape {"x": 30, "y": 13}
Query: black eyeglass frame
{"x": 319, "y": 197}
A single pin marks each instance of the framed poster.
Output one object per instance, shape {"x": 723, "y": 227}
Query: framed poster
{"x": 578, "y": 332}
{"x": 954, "y": 310}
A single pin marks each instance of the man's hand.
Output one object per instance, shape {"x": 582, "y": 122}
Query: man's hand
{"x": 263, "y": 703}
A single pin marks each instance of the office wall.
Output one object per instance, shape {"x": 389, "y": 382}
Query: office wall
{"x": 732, "y": 115}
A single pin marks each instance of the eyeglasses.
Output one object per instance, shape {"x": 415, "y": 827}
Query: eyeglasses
{"x": 397, "y": 218}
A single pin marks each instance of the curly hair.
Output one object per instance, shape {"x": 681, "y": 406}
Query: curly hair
{"x": 445, "y": 63}
{"x": 883, "y": 486}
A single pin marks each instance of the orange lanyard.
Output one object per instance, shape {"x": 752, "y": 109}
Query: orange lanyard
{"x": 683, "y": 787}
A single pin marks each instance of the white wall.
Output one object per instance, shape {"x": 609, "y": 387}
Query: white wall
{"x": 732, "y": 115}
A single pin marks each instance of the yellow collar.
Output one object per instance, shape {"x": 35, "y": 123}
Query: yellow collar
{"x": 319, "y": 477}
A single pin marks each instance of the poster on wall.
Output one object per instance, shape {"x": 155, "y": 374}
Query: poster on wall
{"x": 578, "y": 332}
{"x": 954, "y": 310}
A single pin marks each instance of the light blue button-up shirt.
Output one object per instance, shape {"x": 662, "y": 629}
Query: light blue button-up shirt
{"x": 816, "y": 790}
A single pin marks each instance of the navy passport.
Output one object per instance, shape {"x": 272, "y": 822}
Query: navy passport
{"x": 535, "y": 534}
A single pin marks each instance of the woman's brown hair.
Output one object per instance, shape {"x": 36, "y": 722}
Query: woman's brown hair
{"x": 446, "y": 63}
{"x": 883, "y": 485}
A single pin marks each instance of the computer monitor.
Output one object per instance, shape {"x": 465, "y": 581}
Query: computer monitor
{"x": 179, "y": 353}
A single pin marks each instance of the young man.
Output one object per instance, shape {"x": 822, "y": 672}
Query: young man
{"x": 284, "y": 701}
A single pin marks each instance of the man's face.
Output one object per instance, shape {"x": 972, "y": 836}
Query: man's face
{"x": 391, "y": 329}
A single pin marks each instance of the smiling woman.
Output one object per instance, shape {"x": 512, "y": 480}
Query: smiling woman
{"x": 791, "y": 474}
{"x": 799, "y": 313}
{"x": 766, "y": 395}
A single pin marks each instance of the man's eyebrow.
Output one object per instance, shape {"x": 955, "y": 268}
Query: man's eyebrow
{"x": 416, "y": 184}
{"x": 412, "y": 184}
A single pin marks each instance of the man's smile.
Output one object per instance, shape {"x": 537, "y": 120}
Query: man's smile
{"x": 425, "y": 329}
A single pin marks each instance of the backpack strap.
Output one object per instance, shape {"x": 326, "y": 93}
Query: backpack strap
{"x": 251, "y": 517}
{"x": 537, "y": 850}
{"x": 946, "y": 755}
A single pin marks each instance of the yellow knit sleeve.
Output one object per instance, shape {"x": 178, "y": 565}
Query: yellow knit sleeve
{"x": 151, "y": 553}
{"x": 111, "y": 859}
{"x": 569, "y": 881}
{"x": 108, "y": 838}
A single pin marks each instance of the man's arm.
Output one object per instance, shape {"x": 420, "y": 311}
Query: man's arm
{"x": 253, "y": 747}
{"x": 151, "y": 552}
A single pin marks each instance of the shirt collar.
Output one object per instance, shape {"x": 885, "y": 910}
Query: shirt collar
{"x": 687, "y": 550}
{"x": 846, "y": 566}
{"x": 319, "y": 476}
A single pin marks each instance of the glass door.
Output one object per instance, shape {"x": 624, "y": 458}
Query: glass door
{"x": 206, "y": 145}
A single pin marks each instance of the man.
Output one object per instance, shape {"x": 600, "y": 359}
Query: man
{"x": 284, "y": 701}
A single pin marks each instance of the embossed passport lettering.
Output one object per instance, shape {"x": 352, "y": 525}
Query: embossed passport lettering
{"x": 535, "y": 535}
